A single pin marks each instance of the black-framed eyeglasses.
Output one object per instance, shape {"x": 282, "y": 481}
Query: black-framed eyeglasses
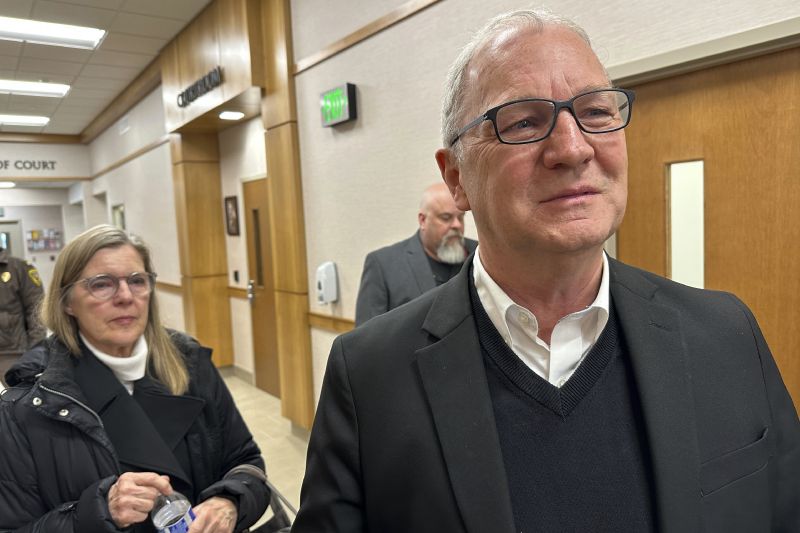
{"x": 532, "y": 119}
{"x": 105, "y": 286}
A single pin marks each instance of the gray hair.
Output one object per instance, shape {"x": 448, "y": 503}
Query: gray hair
{"x": 455, "y": 88}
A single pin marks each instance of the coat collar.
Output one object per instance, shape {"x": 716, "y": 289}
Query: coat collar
{"x": 652, "y": 332}
{"x": 455, "y": 382}
{"x": 417, "y": 261}
{"x": 145, "y": 428}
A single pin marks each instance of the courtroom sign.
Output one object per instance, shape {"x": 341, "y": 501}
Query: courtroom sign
{"x": 44, "y": 160}
{"x": 26, "y": 164}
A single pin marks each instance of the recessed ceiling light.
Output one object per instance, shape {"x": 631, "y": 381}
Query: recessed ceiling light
{"x": 33, "y": 88}
{"x": 231, "y": 115}
{"x": 7, "y": 184}
{"x": 33, "y": 31}
{"x": 23, "y": 120}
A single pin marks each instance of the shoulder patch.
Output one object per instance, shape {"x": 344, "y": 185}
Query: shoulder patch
{"x": 34, "y": 275}
{"x": 5, "y": 276}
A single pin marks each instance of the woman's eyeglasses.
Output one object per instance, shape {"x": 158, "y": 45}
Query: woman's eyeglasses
{"x": 105, "y": 286}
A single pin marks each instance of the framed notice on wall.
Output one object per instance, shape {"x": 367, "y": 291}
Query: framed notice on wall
{"x": 231, "y": 215}
{"x": 41, "y": 240}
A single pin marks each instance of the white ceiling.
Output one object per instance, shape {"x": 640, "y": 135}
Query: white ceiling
{"x": 137, "y": 30}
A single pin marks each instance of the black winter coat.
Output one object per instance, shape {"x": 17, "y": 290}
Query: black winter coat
{"x": 68, "y": 428}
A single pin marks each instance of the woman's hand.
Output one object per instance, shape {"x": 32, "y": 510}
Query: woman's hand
{"x": 131, "y": 498}
{"x": 215, "y": 515}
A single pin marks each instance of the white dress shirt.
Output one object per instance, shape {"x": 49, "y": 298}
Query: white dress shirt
{"x": 572, "y": 338}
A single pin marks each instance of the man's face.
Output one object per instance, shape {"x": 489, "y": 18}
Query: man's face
{"x": 566, "y": 193}
{"x": 441, "y": 223}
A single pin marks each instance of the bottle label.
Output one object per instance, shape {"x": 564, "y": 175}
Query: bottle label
{"x": 182, "y": 525}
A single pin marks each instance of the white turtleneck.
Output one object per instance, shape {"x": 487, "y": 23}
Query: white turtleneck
{"x": 126, "y": 369}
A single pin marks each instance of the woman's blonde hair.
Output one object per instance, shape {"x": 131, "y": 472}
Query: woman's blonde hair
{"x": 165, "y": 362}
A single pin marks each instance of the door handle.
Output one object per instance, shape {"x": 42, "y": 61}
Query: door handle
{"x": 251, "y": 290}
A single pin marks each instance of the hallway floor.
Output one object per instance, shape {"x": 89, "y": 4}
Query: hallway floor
{"x": 282, "y": 444}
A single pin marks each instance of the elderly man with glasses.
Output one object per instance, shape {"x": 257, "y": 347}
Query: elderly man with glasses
{"x": 549, "y": 387}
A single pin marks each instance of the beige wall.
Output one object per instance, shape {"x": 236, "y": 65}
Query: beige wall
{"x": 321, "y": 342}
{"x": 140, "y": 126}
{"x": 318, "y": 23}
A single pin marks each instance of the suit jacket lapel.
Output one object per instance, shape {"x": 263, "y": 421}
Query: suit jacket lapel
{"x": 653, "y": 337}
{"x": 136, "y": 439}
{"x": 417, "y": 261}
{"x": 455, "y": 382}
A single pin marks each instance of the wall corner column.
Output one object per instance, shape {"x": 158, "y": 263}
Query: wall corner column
{"x": 201, "y": 241}
{"x": 287, "y": 223}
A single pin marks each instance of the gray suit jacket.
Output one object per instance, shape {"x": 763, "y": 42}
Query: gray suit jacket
{"x": 394, "y": 275}
{"x": 405, "y": 439}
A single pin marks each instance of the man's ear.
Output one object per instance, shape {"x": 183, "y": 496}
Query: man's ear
{"x": 451, "y": 174}
{"x": 421, "y": 218}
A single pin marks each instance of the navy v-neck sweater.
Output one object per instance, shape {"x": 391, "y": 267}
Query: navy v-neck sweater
{"x": 576, "y": 458}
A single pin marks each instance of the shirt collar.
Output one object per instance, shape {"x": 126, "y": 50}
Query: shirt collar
{"x": 500, "y": 307}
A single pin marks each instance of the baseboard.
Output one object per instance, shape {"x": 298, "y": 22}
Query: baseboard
{"x": 243, "y": 374}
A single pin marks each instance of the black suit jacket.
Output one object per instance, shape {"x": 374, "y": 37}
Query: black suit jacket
{"x": 394, "y": 275}
{"x": 405, "y": 438}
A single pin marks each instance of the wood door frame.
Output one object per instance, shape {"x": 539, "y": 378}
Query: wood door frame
{"x": 262, "y": 313}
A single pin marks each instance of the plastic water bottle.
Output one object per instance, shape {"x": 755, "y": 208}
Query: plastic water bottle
{"x": 172, "y": 513}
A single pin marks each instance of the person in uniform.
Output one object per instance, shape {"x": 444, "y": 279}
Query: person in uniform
{"x": 20, "y": 295}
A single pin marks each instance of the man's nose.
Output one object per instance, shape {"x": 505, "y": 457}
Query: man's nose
{"x": 567, "y": 144}
{"x": 457, "y": 223}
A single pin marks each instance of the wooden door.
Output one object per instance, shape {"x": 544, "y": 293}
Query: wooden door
{"x": 743, "y": 120}
{"x": 261, "y": 290}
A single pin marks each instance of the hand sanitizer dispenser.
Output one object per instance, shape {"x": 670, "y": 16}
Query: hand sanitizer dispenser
{"x": 327, "y": 283}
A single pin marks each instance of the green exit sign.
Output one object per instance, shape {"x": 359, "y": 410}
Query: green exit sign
{"x": 338, "y": 105}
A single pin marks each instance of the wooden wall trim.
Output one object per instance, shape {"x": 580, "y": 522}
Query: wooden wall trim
{"x": 727, "y": 49}
{"x": 237, "y": 292}
{"x": 39, "y": 138}
{"x": 402, "y": 12}
{"x": 334, "y": 324}
{"x": 130, "y": 157}
{"x": 172, "y": 288}
{"x": 144, "y": 84}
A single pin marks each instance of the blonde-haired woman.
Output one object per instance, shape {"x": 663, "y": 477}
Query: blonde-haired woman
{"x": 113, "y": 409}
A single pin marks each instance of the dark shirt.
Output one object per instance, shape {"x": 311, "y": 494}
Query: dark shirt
{"x": 442, "y": 272}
